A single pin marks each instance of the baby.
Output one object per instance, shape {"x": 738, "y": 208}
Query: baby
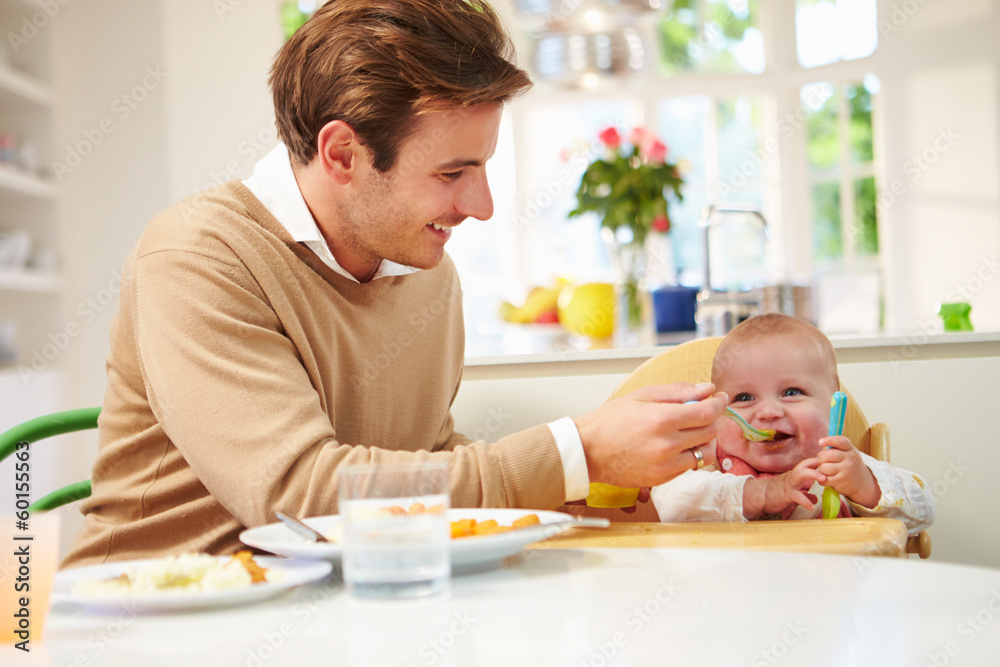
{"x": 780, "y": 373}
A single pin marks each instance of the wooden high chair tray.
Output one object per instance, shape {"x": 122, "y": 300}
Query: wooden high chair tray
{"x": 856, "y": 537}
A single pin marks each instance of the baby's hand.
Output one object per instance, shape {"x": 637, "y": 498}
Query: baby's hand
{"x": 846, "y": 472}
{"x": 780, "y": 494}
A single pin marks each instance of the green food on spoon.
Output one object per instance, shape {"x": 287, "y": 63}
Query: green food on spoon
{"x": 749, "y": 432}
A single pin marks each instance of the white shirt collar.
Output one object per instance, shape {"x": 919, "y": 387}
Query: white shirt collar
{"x": 273, "y": 183}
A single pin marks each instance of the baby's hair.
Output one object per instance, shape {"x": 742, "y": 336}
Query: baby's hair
{"x": 771, "y": 324}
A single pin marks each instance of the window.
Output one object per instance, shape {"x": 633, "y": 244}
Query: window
{"x": 828, "y": 31}
{"x": 705, "y": 36}
{"x": 841, "y": 170}
{"x": 561, "y": 138}
{"x": 720, "y": 140}
{"x": 792, "y": 140}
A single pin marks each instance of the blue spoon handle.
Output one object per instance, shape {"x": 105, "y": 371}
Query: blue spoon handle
{"x": 838, "y": 411}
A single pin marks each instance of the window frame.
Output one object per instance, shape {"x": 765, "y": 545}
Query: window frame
{"x": 787, "y": 183}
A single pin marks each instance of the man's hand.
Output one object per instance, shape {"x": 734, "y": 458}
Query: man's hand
{"x": 846, "y": 471}
{"x": 781, "y": 493}
{"x": 645, "y": 438}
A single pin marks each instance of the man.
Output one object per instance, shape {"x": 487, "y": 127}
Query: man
{"x": 239, "y": 375}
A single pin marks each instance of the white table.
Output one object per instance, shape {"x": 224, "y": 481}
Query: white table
{"x": 587, "y": 607}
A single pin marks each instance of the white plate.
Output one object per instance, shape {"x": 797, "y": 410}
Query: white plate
{"x": 293, "y": 573}
{"x": 467, "y": 553}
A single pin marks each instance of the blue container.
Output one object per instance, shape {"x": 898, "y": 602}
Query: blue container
{"x": 674, "y": 308}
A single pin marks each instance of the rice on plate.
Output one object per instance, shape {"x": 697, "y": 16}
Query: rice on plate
{"x": 185, "y": 573}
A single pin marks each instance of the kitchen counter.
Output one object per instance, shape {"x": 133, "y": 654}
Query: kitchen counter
{"x": 546, "y": 351}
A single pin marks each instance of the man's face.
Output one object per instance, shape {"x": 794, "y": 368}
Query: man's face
{"x": 407, "y": 214}
{"x": 780, "y": 382}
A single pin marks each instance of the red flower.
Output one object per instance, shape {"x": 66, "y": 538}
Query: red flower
{"x": 638, "y": 137}
{"x": 610, "y": 137}
{"x": 661, "y": 223}
{"x": 657, "y": 151}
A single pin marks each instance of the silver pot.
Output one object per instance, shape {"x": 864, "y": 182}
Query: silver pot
{"x": 795, "y": 300}
{"x": 719, "y": 312}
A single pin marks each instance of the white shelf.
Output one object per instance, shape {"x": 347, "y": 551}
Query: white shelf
{"x": 17, "y": 86}
{"x": 30, "y": 298}
{"x": 17, "y": 181}
{"x": 30, "y": 281}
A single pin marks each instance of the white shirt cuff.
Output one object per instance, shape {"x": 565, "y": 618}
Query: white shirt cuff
{"x": 573, "y": 459}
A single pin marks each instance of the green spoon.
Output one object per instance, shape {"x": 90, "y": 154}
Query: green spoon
{"x": 838, "y": 411}
{"x": 749, "y": 432}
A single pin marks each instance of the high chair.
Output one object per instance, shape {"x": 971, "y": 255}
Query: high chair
{"x": 692, "y": 362}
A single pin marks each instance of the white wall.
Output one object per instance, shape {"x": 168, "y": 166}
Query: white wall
{"x": 941, "y": 233}
{"x": 220, "y": 118}
{"x": 205, "y": 117}
{"x": 937, "y": 412}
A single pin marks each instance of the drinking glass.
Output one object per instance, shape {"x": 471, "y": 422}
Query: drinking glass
{"x": 29, "y": 554}
{"x": 396, "y": 530}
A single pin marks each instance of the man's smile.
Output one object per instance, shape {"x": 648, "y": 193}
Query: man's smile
{"x": 440, "y": 231}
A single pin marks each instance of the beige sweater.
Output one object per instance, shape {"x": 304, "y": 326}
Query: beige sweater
{"x": 243, "y": 371}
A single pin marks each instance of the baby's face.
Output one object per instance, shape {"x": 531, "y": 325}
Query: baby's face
{"x": 781, "y": 383}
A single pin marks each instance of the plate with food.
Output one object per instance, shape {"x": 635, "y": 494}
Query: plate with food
{"x": 185, "y": 581}
{"x": 481, "y": 538}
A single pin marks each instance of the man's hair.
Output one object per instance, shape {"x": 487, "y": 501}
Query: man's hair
{"x": 378, "y": 64}
{"x": 772, "y": 324}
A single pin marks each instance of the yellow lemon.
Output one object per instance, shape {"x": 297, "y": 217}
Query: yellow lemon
{"x": 608, "y": 495}
{"x": 588, "y": 309}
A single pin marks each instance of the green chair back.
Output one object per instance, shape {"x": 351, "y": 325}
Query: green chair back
{"x": 47, "y": 426}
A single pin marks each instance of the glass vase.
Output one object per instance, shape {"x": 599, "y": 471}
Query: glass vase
{"x": 633, "y": 303}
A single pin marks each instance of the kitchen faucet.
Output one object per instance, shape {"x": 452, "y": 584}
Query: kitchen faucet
{"x": 718, "y": 311}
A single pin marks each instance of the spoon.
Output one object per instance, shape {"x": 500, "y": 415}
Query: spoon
{"x": 749, "y": 432}
{"x": 301, "y": 528}
{"x": 838, "y": 411}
